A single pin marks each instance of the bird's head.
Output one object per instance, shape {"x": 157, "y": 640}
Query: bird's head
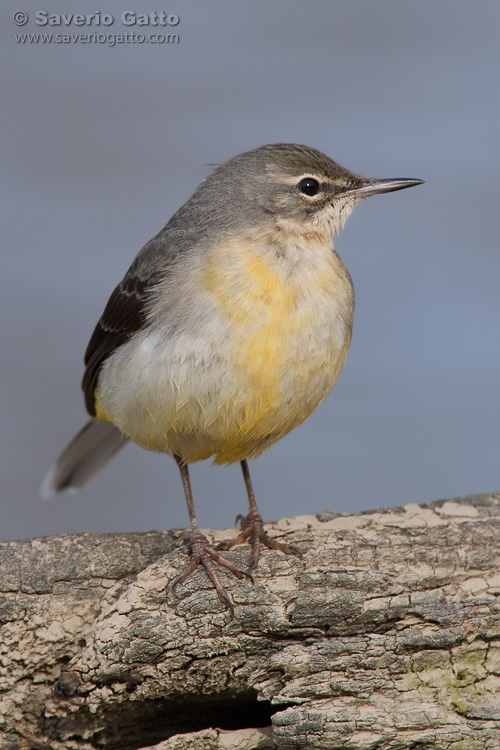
{"x": 281, "y": 190}
{"x": 300, "y": 186}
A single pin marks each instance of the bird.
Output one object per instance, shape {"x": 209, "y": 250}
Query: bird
{"x": 229, "y": 329}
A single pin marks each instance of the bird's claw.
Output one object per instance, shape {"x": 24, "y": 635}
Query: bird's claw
{"x": 252, "y": 531}
{"x": 202, "y": 553}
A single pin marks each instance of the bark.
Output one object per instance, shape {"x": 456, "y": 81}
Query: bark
{"x": 384, "y": 636}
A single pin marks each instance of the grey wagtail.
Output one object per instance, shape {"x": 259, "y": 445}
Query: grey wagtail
{"x": 229, "y": 328}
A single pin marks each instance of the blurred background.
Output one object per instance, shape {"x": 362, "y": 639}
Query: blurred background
{"x": 102, "y": 144}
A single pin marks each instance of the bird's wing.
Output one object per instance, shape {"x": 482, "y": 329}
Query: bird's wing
{"x": 125, "y": 313}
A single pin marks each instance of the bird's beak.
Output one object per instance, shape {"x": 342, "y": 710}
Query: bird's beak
{"x": 373, "y": 186}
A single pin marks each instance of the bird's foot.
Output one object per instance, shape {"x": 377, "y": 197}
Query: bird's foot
{"x": 202, "y": 553}
{"x": 253, "y": 532}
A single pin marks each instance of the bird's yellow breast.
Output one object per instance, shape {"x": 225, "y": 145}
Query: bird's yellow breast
{"x": 281, "y": 344}
{"x": 257, "y": 343}
{"x": 260, "y": 310}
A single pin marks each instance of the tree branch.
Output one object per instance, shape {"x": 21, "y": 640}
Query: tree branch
{"x": 386, "y": 635}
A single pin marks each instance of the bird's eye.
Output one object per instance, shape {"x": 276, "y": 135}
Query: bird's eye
{"x": 309, "y": 186}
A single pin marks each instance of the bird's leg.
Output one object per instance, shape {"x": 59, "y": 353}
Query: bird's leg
{"x": 202, "y": 553}
{"x": 252, "y": 528}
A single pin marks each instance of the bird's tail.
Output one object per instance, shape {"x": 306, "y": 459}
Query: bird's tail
{"x": 89, "y": 451}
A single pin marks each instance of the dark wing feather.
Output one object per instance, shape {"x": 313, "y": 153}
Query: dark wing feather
{"x": 122, "y": 317}
{"x": 125, "y": 313}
